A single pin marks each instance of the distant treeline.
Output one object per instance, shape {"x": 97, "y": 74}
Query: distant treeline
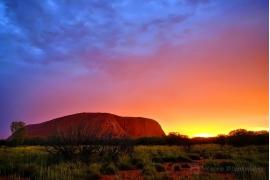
{"x": 239, "y": 137}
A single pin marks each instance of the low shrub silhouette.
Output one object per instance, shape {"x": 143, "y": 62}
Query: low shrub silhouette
{"x": 76, "y": 143}
{"x": 71, "y": 140}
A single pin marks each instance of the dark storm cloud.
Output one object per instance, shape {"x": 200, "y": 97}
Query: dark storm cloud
{"x": 47, "y": 31}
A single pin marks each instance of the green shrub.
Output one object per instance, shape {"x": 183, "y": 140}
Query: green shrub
{"x": 138, "y": 163}
{"x": 125, "y": 166}
{"x": 108, "y": 169}
{"x": 174, "y": 159}
{"x": 94, "y": 171}
{"x": 64, "y": 171}
{"x": 149, "y": 170}
{"x": 183, "y": 159}
{"x": 125, "y": 163}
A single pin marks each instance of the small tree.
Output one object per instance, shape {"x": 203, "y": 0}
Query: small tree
{"x": 221, "y": 139}
{"x": 16, "y": 125}
{"x": 18, "y": 132}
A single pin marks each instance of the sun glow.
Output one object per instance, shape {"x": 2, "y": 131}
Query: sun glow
{"x": 203, "y": 135}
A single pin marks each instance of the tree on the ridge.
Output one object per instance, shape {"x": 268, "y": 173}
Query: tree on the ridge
{"x": 18, "y": 132}
{"x": 16, "y": 125}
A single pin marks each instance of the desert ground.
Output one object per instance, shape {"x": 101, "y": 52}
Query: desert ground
{"x": 206, "y": 161}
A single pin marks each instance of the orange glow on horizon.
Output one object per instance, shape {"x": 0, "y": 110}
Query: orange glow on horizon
{"x": 202, "y": 135}
{"x": 210, "y": 132}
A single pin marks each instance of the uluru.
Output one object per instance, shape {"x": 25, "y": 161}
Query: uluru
{"x": 98, "y": 124}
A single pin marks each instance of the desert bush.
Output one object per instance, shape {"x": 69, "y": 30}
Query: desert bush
{"x": 125, "y": 163}
{"x": 182, "y": 158}
{"x": 194, "y": 156}
{"x": 74, "y": 143}
{"x": 151, "y": 141}
{"x": 94, "y": 171}
{"x": 150, "y": 173}
{"x": 108, "y": 169}
{"x": 242, "y": 137}
{"x": 125, "y": 166}
{"x": 178, "y": 139}
{"x": 112, "y": 149}
{"x": 159, "y": 167}
{"x": 221, "y": 155}
{"x": 138, "y": 163}
{"x": 149, "y": 170}
{"x": 64, "y": 171}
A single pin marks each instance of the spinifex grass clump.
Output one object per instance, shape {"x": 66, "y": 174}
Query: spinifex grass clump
{"x": 169, "y": 158}
{"x": 109, "y": 169}
{"x": 125, "y": 163}
{"x": 94, "y": 171}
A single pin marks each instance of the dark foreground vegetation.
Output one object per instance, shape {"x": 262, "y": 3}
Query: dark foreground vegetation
{"x": 208, "y": 161}
{"x": 239, "y": 137}
{"x": 75, "y": 155}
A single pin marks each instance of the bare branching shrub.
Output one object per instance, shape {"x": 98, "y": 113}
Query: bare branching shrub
{"x": 74, "y": 142}
{"x": 81, "y": 142}
{"x": 114, "y": 148}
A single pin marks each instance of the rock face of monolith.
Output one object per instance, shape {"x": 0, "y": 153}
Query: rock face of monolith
{"x": 97, "y": 124}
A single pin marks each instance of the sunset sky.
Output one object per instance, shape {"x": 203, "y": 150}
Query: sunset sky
{"x": 198, "y": 67}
